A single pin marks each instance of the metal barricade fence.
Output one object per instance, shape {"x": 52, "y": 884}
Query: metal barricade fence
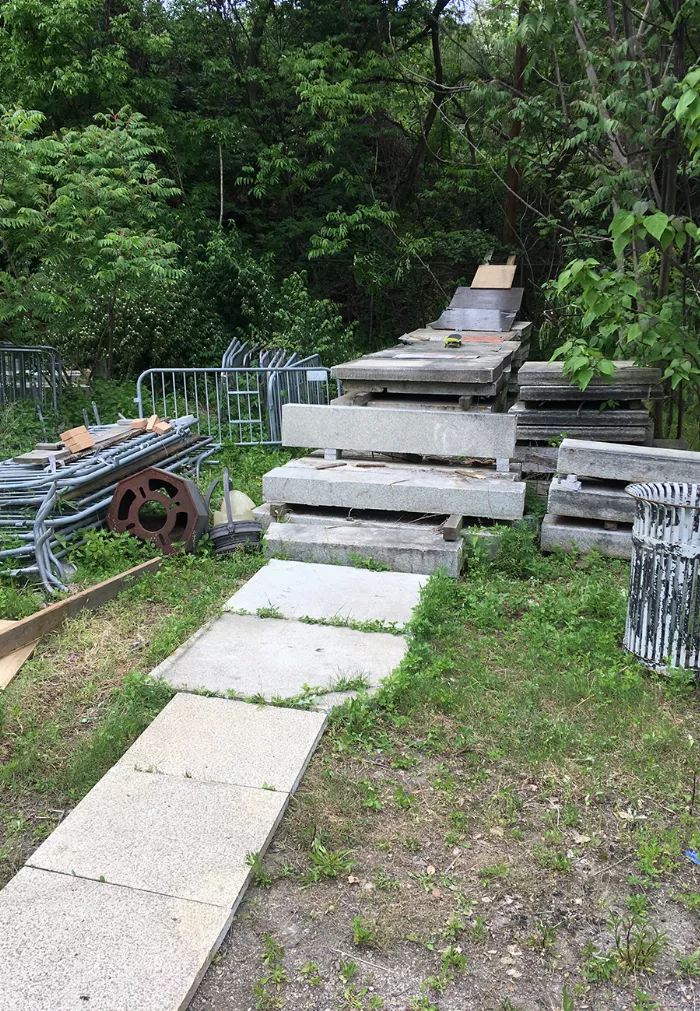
{"x": 238, "y": 405}
{"x": 30, "y": 371}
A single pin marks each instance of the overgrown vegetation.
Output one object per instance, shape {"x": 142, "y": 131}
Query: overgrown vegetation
{"x": 320, "y": 177}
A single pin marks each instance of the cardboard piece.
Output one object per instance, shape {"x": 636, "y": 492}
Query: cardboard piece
{"x": 494, "y": 275}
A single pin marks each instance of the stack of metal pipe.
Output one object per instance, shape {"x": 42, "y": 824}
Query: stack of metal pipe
{"x": 44, "y": 513}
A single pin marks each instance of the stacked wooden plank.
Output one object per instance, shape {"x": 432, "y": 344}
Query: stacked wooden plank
{"x": 549, "y": 405}
{"x": 588, "y": 506}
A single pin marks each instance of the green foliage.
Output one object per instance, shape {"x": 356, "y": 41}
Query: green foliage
{"x": 104, "y": 554}
{"x": 81, "y": 214}
{"x": 176, "y": 174}
{"x": 365, "y": 933}
{"x": 326, "y": 863}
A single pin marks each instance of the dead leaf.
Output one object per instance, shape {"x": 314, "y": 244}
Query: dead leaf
{"x": 514, "y": 973}
{"x": 436, "y": 893}
{"x": 580, "y": 840}
{"x": 507, "y": 960}
{"x": 352, "y": 880}
{"x": 497, "y": 831}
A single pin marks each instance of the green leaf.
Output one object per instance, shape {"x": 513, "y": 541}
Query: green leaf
{"x": 656, "y": 224}
{"x": 684, "y": 103}
{"x": 620, "y": 242}
{"x": 622, "y": 222}
{"x": 584, "y": 378}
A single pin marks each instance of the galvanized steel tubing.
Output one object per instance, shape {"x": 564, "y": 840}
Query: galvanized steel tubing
{"x": 663, "y": 612}
{"x": 43, "y": 510}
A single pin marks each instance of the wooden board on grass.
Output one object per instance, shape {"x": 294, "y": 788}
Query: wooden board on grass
{"x": 21, "y": 633}
{"x": 10, "y": 664}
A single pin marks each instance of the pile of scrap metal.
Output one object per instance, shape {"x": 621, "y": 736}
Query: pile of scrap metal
{"x": 51, "y": 496}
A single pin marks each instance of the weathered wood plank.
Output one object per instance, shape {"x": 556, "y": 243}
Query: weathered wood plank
{"x": 22, "y": 633}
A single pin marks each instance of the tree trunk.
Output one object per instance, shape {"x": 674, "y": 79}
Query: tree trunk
{"x": 513, "y": 176}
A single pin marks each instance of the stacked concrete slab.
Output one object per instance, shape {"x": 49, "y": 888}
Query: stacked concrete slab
{"x": 494, "y": 344}
{"x": 474, "y": 376}
{"x": 362, "y": 504}
{"x": 549, "y": 405}
{"x": 410, "y": 445}
{"x": 588, "y": 506}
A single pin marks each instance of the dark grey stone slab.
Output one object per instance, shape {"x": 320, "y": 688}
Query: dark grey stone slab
{"x": 474, "y": 319}
{"x": 571, "y": 534}
{"x": 597, "y": 393}
{"x": 417, "y": 550}
{"x": 590, "y": 500}
{"x": 626, "y": 374}
{"x": 505, "y": 299}
{"x": 586, "y": 416}
{"x": 627, "y": 463}
{"x": 614, "y": 434}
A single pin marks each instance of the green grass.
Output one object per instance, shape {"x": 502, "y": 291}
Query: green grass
{"x": 521, "y": 663}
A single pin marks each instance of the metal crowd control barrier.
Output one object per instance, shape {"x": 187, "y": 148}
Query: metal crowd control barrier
{"x": 239, "y": 405}
{"x": 30, "y": 371}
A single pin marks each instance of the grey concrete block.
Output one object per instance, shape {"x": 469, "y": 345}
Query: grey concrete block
{"x": 477, "y": 364}
{"x": 300, "y": 589}
{"x": 611, "y": 434}
{"x": 387, "y": 430}
{"x": 570, "y": 534}
{"x": 67, "y": 943}
{"x": 223, "y": 741}
{"x": 394, "y": 488}
{"x": 262, "y": 515}
{"x": 626, "y": 374}
{"x": 581, "y": 416}
{"x": 427, "y": 389}
{"x": 274, "y": 658}
{"x": 590, "y": 500}
{"x": 627, "y": 463}
{"x": 417, "y": 550}
{"x": 204, "y": 832}
{"x": 530, "y": 392}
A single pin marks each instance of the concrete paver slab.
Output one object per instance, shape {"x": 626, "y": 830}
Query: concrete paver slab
{"x": 67, "y": 943}
{"x": 413, "y": 550}
{"x": 266, "y": 656}
{"x": 384, "y": 430}
{"x": 300, "y": 589}
{"x": 217, "y": 740}
{"x": 395, "y": 488}
{"x": 176, "y": 836}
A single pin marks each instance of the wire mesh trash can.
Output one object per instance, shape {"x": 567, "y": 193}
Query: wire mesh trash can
{"x": 663, "y": 609}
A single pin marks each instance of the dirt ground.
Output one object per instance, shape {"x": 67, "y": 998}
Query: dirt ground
{"x": 478, "y": 891}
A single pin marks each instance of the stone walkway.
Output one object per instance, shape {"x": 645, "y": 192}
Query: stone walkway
{"x": 124, "y": 905}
